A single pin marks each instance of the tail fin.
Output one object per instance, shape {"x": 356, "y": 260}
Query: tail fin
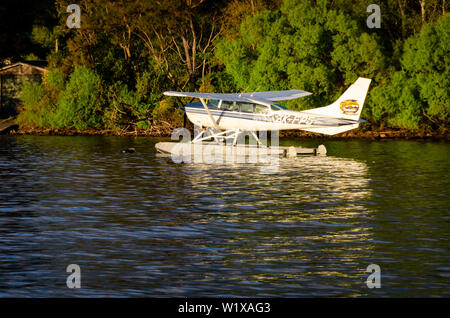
{"x": 348, "y": 106}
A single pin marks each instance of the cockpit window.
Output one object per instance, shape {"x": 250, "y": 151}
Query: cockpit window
{"x": 230, "y": 106}
{"x": 260, "y": 109}
{"x": 246, "y": 108}
{"x": 243, "y": 107}
{"x": 226, "y": 105}
{"x": 213, "y": 103}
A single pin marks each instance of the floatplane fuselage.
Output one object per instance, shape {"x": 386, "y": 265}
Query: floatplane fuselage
{"x": 236, "y": 113}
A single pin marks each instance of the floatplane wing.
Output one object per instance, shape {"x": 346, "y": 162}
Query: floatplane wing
{"x": 255, "y": 97}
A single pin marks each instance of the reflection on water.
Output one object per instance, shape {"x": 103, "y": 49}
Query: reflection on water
{"x": 313, "y": 202}
{"x": 141, "y": 225}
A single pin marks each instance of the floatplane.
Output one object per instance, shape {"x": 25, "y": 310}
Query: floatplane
{"x": 224, "y": 117}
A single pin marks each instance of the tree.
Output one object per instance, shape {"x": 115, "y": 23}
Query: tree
{"x": 17, "y": 18}
{"x": 396, "y": 102}
{"x": 305, "y": 46}
{"x": 180, "y": 33}
{"x": 426, "y": 59}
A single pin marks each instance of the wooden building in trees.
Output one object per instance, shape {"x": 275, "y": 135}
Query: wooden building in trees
{"x": 11, "y": 79}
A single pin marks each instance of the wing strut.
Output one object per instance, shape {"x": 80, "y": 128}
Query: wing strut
{"x": 209, "y": 113}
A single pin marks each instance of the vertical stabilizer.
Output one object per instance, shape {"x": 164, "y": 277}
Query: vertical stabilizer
{"x": 348, "y": 106}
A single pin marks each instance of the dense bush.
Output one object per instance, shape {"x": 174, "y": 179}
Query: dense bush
{"x": 168, "y": 112}
{"x": 54, "y": 103}
{"x": 396, "y": 102}
{"x": 40, "y": 100}
{"x": 426, "y": 60}
{"x": 80, "y": 103}
{"x": 35, "y": 110}
{"x": 420, "y": 93}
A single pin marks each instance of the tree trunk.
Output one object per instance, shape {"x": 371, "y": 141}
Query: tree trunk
{"x": 402, "y": 13}
{"x": 194, "y": 45}
{"x": 422, "y": 11}
{"x": 188, "y": 57}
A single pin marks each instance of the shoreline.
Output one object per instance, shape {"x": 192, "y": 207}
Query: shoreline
{"x": 166, "y": 131}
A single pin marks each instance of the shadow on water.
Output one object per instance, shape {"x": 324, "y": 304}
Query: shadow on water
{"x": 141, "y": 225}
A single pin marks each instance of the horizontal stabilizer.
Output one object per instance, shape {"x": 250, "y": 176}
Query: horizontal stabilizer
{"x": 332, "y": 130}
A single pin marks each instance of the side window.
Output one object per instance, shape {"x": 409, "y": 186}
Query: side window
{"x": 226, "y": 105}
{"x": 246, "y": 108}
{"x": 230, "y": 106}
{"x": 260, "y": 109}
{"x": 234, "y": 107}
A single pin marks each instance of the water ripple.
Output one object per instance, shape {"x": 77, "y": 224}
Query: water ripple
{"x": 141, "y": 225}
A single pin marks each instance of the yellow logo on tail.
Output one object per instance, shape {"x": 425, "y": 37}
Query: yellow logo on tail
{"x": 349, "y": 106}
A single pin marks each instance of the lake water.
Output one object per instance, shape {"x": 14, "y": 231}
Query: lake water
{"x": 140, "y": 225}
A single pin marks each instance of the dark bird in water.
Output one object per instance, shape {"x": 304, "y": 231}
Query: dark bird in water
{"x": 128, "y": 150}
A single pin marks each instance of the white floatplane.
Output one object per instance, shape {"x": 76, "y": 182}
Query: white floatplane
{"x": 226, "y": 116}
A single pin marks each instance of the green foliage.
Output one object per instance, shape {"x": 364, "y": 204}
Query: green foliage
{"x": 222, "y": 82}
{"x": 37, "y": 107}
{"x": 426, "y": 60}
{"x": 44, "y": 36}
{"x": 127, "y": 107}
{"x": 114, "y": 76}
{"x": 134, "y": 107}
{"x": 40, "y": 100}
{"x": 304, "y": 46}
{"x": 323, "y": 48}
{"x": 168, "y": 112}
{"x": 55, "y": 80}
{"x": 17, "y": 19}
{"x": 396, "y": 102}
{"x": 418, "y": 95}
{"x": 80, "y": 104}
{"x": 30, "y": 57}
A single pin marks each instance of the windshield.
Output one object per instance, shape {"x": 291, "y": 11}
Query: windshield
{"x": 214, "y": 103}
{"x": 277, "y": 107}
